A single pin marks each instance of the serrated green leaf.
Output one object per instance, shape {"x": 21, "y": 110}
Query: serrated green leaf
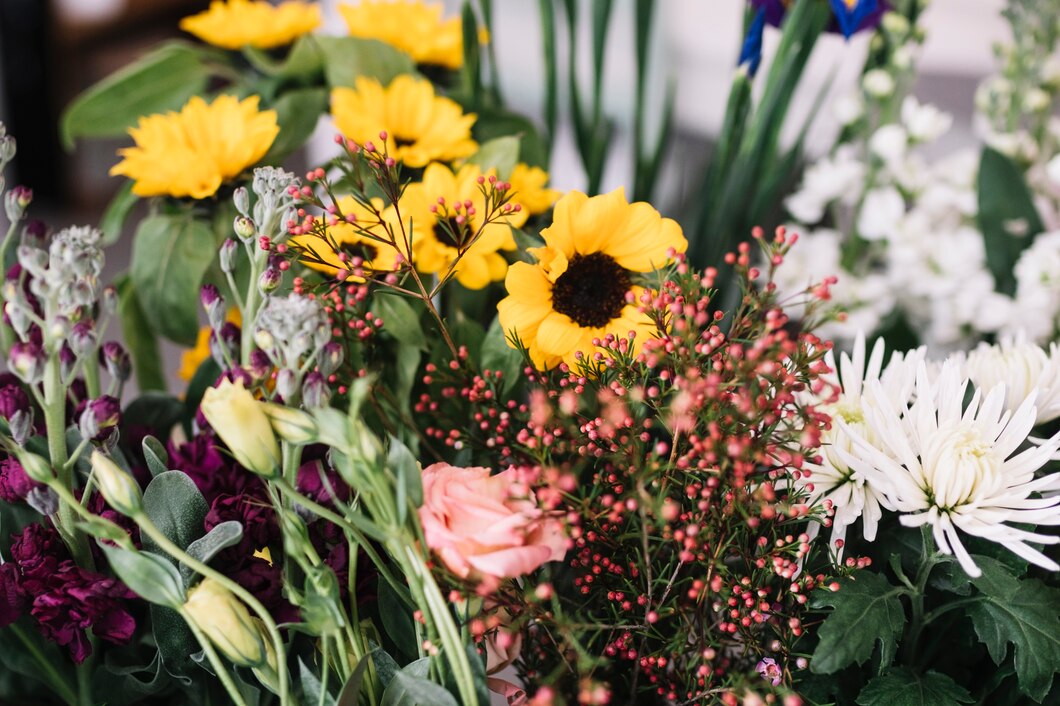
{"x": 1024, "y": 612}
{"x": 500, "y": 153}
{"x": 867, "y": 610}
{"x": 346, "y": 58}
{"x": 170, "y": 256}
{"x": 1007, "y": 216}
{"x": 162, "y": 80}
{"x": 140, "y": 340}
{"x": 149, "y": 576}
{"x": 904, "y": 687}
{"x": 176, "y": 507}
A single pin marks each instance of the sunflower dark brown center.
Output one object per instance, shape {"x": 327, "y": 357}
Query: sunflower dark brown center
{"x": 592, "y": 291}
{"x": 403, "y": 141}
{"x": 365, "y": 251}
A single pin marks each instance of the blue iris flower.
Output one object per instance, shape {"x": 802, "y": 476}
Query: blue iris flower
{"x": 751, "y": 53}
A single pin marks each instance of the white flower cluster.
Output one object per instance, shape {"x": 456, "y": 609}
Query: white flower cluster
{"x": 905, "y": 440}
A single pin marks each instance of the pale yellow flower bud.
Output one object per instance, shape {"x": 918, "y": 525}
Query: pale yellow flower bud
{"x": 118, "y": 487}
{"x": 291, "y": 425}
{"x": 227, "y": 624}
{"x": 242, "y": 424}
{"x": 268, "y": 673}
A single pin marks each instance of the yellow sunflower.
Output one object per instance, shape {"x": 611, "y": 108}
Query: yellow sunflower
{"x": 414, "y": 27}
{"x": 529, "y": 188}
{"x": 240, "y": 23}
{"x": 352, "y": 242}
{"x": 421, "y": 126}
{"x": 434, "y": 248}
{"x": 192, "y": 152}
{"x": 192, "y": 358}
{"x": 577, "y": 290}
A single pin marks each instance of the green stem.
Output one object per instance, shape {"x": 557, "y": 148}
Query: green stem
{"x": 55, "y": 424}
{"x": 917, "y": 623}
{"x": 215, "y": 661}
{"x": 250, "y": 311}
{"x": 84, "y": 683}
{"x": 91, "y": 371}
{"x": 55, "y": 681}
{"x": 148, "y": 527}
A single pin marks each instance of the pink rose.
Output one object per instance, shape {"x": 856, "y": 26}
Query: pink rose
{"x": 487, "y": 527}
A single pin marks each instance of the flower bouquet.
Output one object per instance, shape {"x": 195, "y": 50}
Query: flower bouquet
{"x": 451, "y": 437}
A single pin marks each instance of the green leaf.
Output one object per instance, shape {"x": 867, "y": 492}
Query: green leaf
{"x": 297, "y": 113}
{"x": 498, "y": 356}
{"x": 400, "y": 319}
{"x": 205, "y": 548}
{"x": 149, "y": 576}
{"x": 351, "y": 690}
{"x": 311, "y": 687}
{"x": 1008, "y": 219}
{"x": 406, "y": 470}
{"x": 176, "y": 507}
{"x": 170, "y": 256}
{"x": 494, "y": 123}
{"x": 1025, "y": 612}
{"x": 346, "y": 58}
{"x": 904, "y": 687}
{"x": 156, "y": 455}
{"x": 397, "y": 619}
{"x": 500, "y": 153}
{"x": 139, "y": 340}
{"x": 303, "y": 60}
{"x": 117, "y": 212}
{"x": 471, "y": 72}
{"x": 867, "y": 611}
{"x": 156, "y": 410}
{"x": 409, "y": 690}
{"x": 175, "y": 641}
{"x": 162, "y": 80}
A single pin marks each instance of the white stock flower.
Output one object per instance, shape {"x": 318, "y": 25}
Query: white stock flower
{"x": 1038, "y": 289}
{"x": 925, "y": 122}
{"x": 1052, "y": 170}
{"x": 889, "y": 143}
{"x": 957, "y": 468}
{"x": 848, "y": 108}
{"x": 881, "y": 213}
{"x": 833, "y": 481}
{"x": 1022, "y": 368}
{"x": 825, "y": 181}
{"x": 878, "y": 83}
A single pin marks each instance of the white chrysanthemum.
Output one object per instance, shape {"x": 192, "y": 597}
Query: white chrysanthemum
{"x": 1023, "y": 368}
{"x": 957, "y": 468}
{"x": 833, "y": 480}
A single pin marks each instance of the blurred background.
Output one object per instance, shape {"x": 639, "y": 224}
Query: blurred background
{"x": 52, "y": 49}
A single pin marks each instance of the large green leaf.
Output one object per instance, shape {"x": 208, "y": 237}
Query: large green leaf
{"x": 149, "y": 576}
{"x": 498, "y": 356}
{"x": 162, "y": 80}
{"x": 1025, "y": 612}
{"x": 298, "y": 113}
{"x": 155, "y": 410}
{"x": 113, "y": 221}
{"x": 407, "y": 689}
{"x": 500, "y": 153}
{"x": 494, "y": 123}
{"x": 346, "y": 58}
{"x": 867, "y": 611}
{"x": 1007, "y": 216}
{"x": 176, "y": 507}
{"x": 904, "y": 687}
{"x": 303, "y": 60}
{"x": 171, "y": 254}
{"x": 400, "y": 319}
{"x": 140, "y": 340}
{"x": 205, "y": 548}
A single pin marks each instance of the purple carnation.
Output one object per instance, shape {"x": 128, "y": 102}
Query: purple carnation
{"x": 13, "y": 601}
{"x": 14, "y": 483}
{"x": 212, "y": 472}
{"x": 265, "y": 581}
{"x": 254, "y": 513}
{"x": 38, "y": 551}
{"x": 12, "y": 399}
{"x": 311, "y": 483}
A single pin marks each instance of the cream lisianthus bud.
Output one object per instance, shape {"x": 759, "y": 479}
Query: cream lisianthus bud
{"x": 289, "y": 424}
{"x": 119, "y": 488}
{"x": 242, "y": 424}
{"x": 268, "y": 673}
{"x": 226, "y": 622}
{"x": 35, "y": 466}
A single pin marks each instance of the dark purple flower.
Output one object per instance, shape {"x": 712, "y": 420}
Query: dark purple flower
{"x": 260, "y": 365}
{"x": 254, "y": 513}
{"x": 13, "y": 600}
{"x": 265, "y": 581}
{"x": 115, "y": 360}
{"x": 82, "y": 338}
{"x": 99, "y": 418}
{"x": 26, "y": 360}
{"x": 14, "y": 483}
{"x": 312, "y": 484}
{"x": 38, "y": 551}
{"x": 213, "y": 473}
{"x": 12, "y": 399}
{"x": 36, "y": 232}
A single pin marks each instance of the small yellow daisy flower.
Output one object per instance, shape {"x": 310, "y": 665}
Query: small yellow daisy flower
{"x": 421, "y": 126}
{"x": 577, "y": 290}
{"x": 352, "y": 242}
{"x": 529, "y": 189}
{"x": 434, "y": 249}
{"x": 240, "y": 23}
{"x": 191, "y": 153}
{"x": 414, "y": 27}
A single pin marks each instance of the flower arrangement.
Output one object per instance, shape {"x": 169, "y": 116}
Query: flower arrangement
{"x": 449, "y": 436}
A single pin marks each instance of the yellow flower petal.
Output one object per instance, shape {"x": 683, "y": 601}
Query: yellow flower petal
{"x": 414, "y": 27}
{"x": 239, "y": 23}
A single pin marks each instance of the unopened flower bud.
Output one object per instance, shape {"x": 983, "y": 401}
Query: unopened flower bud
{"x": 82, "y": 338}
{"x": 33, "y": 260}
{"x": 242, "y": 424}
{"x": 43, "y": 499}
{"x": 18, "y": 317}
{"x": 260, "y": 366}
{"x": 286, "y": 383}
{"x": 108, "y": 301}
{"x": 99, "y": 418}
{"x": 291, "y": 425}
{"x": 270, "y": 279}
{"x": 331, "y": 356}
{"x": 35, "y": 466}
{"x": 7, "y": 149}
{"x": 244, "y": 228}
{"x": 315, "y": 391}
{"x": 264, "y": 339}
{"x": 895, "y": 24}
{"x": 214, "y": 304}
{"x": 67, "y": 361}
{"x": 241, "y": 198}
{"x": 35, "y": 233}
{"x": 16, "y": 202}
{"x": 878, "y": 83}
{"x": 224, "y": 345}
{"x": 21, "y": 425}
{"x": 58, "y": 329}
{"x": 118, "y": 487}
{"x": 227, "y": 256}
{"x": 115, "y": 360}
{"x": 226, "y": 622}
{"x": 26, "y": 360}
